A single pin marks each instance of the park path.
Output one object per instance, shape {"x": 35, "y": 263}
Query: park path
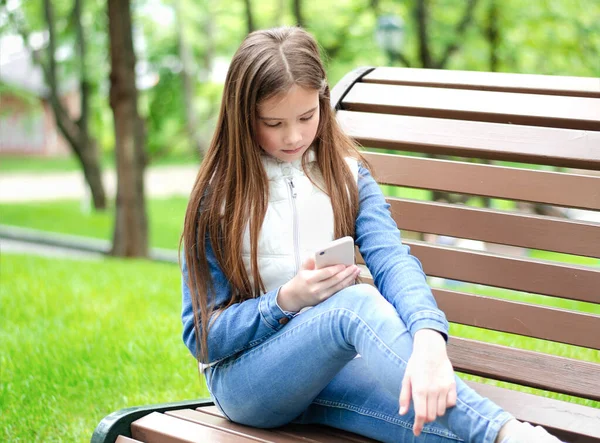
{"x": 160, "y": 181}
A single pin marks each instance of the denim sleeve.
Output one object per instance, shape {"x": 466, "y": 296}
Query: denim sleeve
{"x": 240, "y": 326}
{"x": 396, "y": 273}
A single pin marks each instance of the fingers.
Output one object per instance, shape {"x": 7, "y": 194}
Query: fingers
{"x": 451, "y": 397}
{"x": 442, "y": 401}
{"x": 309, "y": 264}
{"x": 346, "y": 280}
{"x": 405, "y": 395}
{"x": 420, "y": 404}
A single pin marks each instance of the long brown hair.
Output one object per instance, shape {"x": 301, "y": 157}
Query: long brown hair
{"x": 231, "y": 189}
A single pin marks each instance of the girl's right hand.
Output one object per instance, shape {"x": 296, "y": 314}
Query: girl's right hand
{"x": 312, "y": 286}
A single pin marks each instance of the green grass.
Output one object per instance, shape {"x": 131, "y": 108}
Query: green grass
{"x": 13, "y": 164}
{"x": 81, "y": 339}
{"x": 165, "y": 217}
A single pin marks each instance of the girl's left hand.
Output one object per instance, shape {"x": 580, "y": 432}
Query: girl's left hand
{"x": 429, "y": 379}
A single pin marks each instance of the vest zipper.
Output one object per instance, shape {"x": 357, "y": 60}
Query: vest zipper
{"x": 295, "y": 215}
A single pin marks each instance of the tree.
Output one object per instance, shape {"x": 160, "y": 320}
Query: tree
{"x": 249, "y": 16}
{"x": 298, "y": 13}
{"x": 75, "y": 131}
{"x": 187, "y": 79}
{"x": 130, "y": 238}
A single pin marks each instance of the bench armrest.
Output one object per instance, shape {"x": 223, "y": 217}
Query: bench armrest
{"x": 119, "y": 422}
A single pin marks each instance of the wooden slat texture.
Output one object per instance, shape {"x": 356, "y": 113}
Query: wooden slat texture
{"x": 523, "y": 230}
{"x": 160, "y": 428}
{"x": 342, "y": 87}
{"x": 325, "y": 434}
{"x": 488, "y": 81}
{"x": 493, "y": 141}
{"x": 221, "y": 423}
{"x": 123, "y": 439}
{"x": 552, "y": 188}
{"x": 289, "y": 433}
{"x": 528, "y": 368}
{"x": 499, "y": 107}
{"x": 535, "y": 276}
{"x": 542, "y": 322}
{"x": 528, "y": 275}
{"x": 571, "y": 422}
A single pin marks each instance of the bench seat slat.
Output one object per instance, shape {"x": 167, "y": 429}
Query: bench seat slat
{"x": 123, "y": 439}
{"x": 493, "y": 141}
{"x": 568, "y": 190}
{"x": 290, "y": 433}
{"x": 571, "y": 422}
{"x": 221, "y": 423}
{"x": 160, "y": 428}
{"x": 529, "y": 275}
{"x": 527, "y": 368}
{"x": 488, "y": 81}
{"x": 522, "y": 230}
{"x": 488, "y": 106}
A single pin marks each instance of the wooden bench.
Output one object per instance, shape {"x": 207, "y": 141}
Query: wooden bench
{"x": 448, "y": 131}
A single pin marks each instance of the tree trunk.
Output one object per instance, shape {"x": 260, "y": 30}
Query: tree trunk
{"x": 130, "y": 238}
{"x": 249, "y": 17}
{"x": 298, "y": 13}
{"x": 422, "y": 18}
{"x": 459, "y": 33}
{"x": 279, "y": 13}
{"x": 187, "y": 79}
{"x": 76, "y": 133}
{"x": 493, "y": 35}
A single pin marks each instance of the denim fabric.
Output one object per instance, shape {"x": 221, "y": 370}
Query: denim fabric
{"x": 309, "y": 372}
{"x": 340, "y": 363}
{"x": 396, "y": 273}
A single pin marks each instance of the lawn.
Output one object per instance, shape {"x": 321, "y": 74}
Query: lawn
{"x": 81, "y": 339}
{"x": 165, "y": 217}
{"x": 13, "y": 164}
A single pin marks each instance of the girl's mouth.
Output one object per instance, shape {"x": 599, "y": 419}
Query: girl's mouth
{"x": 292, "y": 151}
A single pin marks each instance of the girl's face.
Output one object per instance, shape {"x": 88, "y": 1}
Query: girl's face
{"x": 287, "y": 123}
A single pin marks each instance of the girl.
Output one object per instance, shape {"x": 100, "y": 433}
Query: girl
{"x": 280, "y": 180}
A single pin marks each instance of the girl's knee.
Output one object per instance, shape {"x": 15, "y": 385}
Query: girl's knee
{"x": 360, "y": 297}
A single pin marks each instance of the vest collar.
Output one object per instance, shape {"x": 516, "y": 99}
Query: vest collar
{"x": 276, "y": 168}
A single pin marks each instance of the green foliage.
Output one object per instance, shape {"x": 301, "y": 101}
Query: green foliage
{"x": 81, "y": 339}
{"x": 543, "y": 37}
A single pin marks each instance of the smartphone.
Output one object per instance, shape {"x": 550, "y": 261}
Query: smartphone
{"x": 340, "y": 251}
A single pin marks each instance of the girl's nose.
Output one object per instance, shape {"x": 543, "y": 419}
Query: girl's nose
{"x": 292, "y": 137}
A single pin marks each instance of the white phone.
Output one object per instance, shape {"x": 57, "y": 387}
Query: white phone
{"x": 340, "y": 251}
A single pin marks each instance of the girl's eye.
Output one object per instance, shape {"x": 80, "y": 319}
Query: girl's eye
{"x": 305, "y": 119}
{"x": 273, "y": 125}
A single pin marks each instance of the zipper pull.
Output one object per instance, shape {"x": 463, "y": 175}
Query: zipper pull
{"x": 291, "y": 182}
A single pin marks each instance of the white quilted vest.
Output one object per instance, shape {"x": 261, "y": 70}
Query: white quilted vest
{"x": 299, "y": 220}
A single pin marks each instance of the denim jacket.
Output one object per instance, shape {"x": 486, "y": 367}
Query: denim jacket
{"x": 396, "y": 273}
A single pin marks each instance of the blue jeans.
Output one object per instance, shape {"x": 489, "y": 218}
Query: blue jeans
{"x": 309, "y": 372}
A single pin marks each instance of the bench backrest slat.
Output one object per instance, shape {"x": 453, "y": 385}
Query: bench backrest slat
{"x": 477, "y": 257}
{"x": 535, "y": 321}
{"x": 534, "y": 276}
{"x": 519, "y": 274}
{"x": 521, "y": 230}
{"x": 542, "y": 146}
{"x": 563, "y": 375}
{"x": 553, "y": 188}
{"x": 460, "y": 104}
{"x": 488, "y": 81}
